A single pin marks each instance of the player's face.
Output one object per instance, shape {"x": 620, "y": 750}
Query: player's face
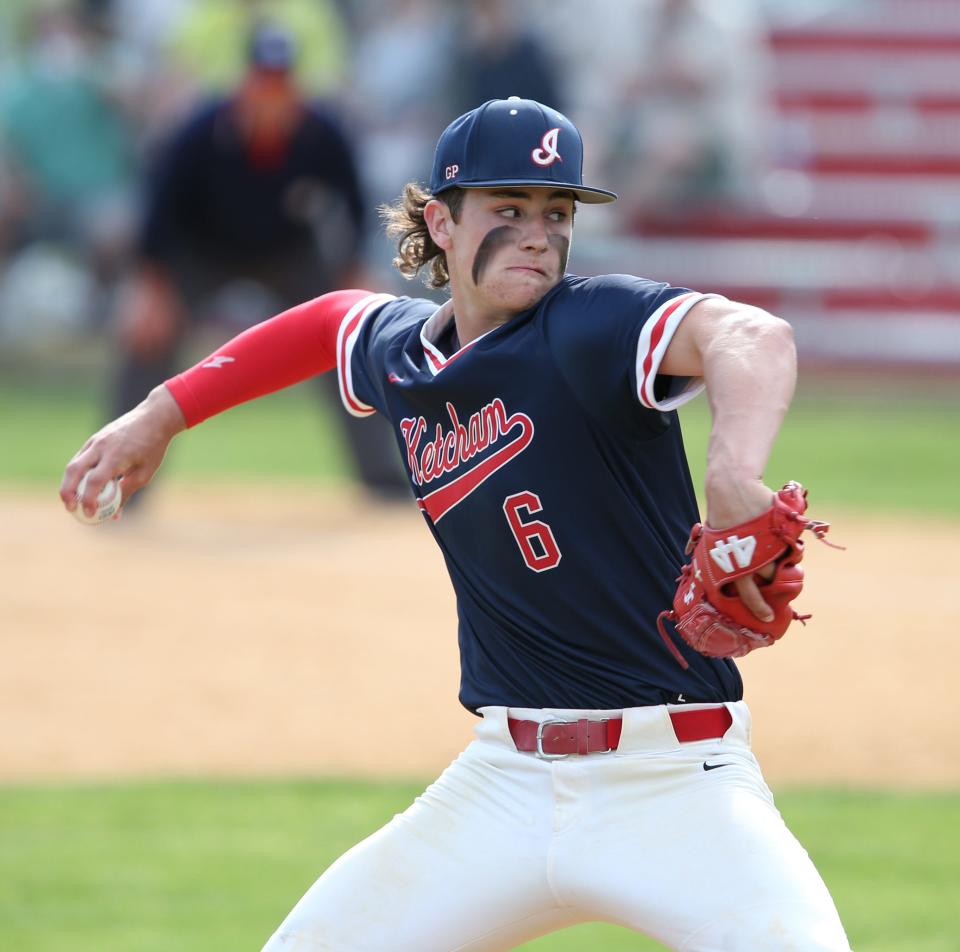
{"x": 510, "y": 245}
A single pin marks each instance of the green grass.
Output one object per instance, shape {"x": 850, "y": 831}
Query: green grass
{"x": 892, "y": 446}
{"x": 892, "y": 862}
{"x": 874, "y": 447}
{"x": 169, "y": 866}
{"x": 192, "y": 866}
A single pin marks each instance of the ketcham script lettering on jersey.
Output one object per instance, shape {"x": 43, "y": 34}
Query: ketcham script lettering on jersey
{"x": 450, "y": 449}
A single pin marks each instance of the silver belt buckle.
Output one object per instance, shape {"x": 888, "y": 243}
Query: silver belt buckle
{"x": 541, "y": 753}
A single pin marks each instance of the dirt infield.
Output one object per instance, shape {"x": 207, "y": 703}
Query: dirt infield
{"x": 297, "y": 632}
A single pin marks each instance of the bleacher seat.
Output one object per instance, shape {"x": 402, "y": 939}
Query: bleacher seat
{"x": 856, "y": 237}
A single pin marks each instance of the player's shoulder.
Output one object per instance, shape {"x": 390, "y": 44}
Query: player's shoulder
{"x": 373, "y": 336}
{"x": 391, "y": 317}
{"x": 609, "y": 289}
{"x": 604, "y": 303}
{"x": 401, "y": 310}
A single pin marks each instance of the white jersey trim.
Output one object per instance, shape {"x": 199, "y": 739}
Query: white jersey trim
{"x": 347, "y": 335}
{"x": 432, "y": 328}
{"x": 655, "y": 337}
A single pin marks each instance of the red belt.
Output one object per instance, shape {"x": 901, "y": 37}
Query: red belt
{"x": 555, "y": 738}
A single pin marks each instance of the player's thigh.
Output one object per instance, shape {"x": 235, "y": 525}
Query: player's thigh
{"x": 707, "y": 864}
{"x": 463, "y": 868}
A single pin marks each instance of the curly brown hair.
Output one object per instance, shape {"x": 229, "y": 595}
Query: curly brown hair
{"x": 416, "y": 250}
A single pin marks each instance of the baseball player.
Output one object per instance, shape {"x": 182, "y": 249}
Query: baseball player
{"x": 535, "y": 415}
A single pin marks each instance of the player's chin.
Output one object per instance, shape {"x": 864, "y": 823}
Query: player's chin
{"x": 523, "y": 287}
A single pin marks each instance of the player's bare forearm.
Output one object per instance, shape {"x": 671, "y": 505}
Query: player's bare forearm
{"x": 750, "y": 371}
{"x": 132, "y": 446}
{"x": 748, "y": 361}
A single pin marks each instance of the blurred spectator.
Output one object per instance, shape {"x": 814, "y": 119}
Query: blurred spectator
{"x": 678, "y": 92}
{"x": 696, "y": 133}
{"x": 254, "y": 206}
{"x": 193, "y": 48}
{"x": 498, "y": 56}
{"x": 164, "y": 93}
{"x": 400, "y": 69}
{"x": 67, "y": 140}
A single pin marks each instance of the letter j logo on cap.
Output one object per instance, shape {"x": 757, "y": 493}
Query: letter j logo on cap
{"x": 547, "y": 154}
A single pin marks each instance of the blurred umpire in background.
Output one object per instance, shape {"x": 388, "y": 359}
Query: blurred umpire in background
{"x": 253, "y": 205}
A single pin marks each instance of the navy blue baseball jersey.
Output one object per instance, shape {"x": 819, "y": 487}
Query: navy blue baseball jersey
{"x": 547, "y": 459}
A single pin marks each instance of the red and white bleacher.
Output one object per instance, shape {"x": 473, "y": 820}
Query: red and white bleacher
{"x": 856, "y": 237}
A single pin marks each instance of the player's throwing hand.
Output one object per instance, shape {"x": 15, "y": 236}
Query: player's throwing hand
{"x": 132, "y": 446}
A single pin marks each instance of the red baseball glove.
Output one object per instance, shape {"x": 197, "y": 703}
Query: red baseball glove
{"x": 707, "y": 610}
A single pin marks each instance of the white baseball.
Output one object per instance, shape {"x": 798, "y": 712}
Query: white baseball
{"x": 108, "y": 502}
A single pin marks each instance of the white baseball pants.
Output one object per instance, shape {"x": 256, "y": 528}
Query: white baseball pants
{"x": 506, "y": 846}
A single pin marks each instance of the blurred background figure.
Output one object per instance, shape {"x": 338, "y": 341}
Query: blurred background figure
{"x": 499, "y": 54}
{"x": 696, "y": 130}
{"x": 399, "y": 78}
{"x": 67, "y": 168}
{"x": 676, "y": 95}
{"x": 253, "y": 205}
{"x": 200, "y": 42}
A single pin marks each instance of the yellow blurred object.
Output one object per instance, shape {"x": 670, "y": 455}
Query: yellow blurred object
{"x": 211, "y": 42}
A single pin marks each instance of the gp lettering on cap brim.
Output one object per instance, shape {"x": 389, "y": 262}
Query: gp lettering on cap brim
{"x": 513, "y": 142}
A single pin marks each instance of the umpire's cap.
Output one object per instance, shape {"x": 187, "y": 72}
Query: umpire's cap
{"x": 271, "y": 48}
{"x": 513, "y": 142}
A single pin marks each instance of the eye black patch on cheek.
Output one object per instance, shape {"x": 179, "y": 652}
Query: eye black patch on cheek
{"x": 494, "y": 239}
{"x": 561, "y": 244}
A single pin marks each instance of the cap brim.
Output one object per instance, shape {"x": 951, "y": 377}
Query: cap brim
{"x": 586, "y": 195}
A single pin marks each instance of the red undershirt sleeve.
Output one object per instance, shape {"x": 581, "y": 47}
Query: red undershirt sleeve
{"x": 287, "y": 349}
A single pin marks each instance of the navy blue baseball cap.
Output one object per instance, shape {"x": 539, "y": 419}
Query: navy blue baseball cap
{"x": 513, "y": 142}
{"x": 271, "y": 48}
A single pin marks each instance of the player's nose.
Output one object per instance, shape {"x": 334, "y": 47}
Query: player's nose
{"x": 534, "y": 234}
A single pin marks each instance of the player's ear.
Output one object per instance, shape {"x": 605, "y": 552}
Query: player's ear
{"x": 439, "y": 220}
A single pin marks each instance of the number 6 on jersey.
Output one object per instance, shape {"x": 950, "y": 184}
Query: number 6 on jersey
{"x": 535, "y": 538}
